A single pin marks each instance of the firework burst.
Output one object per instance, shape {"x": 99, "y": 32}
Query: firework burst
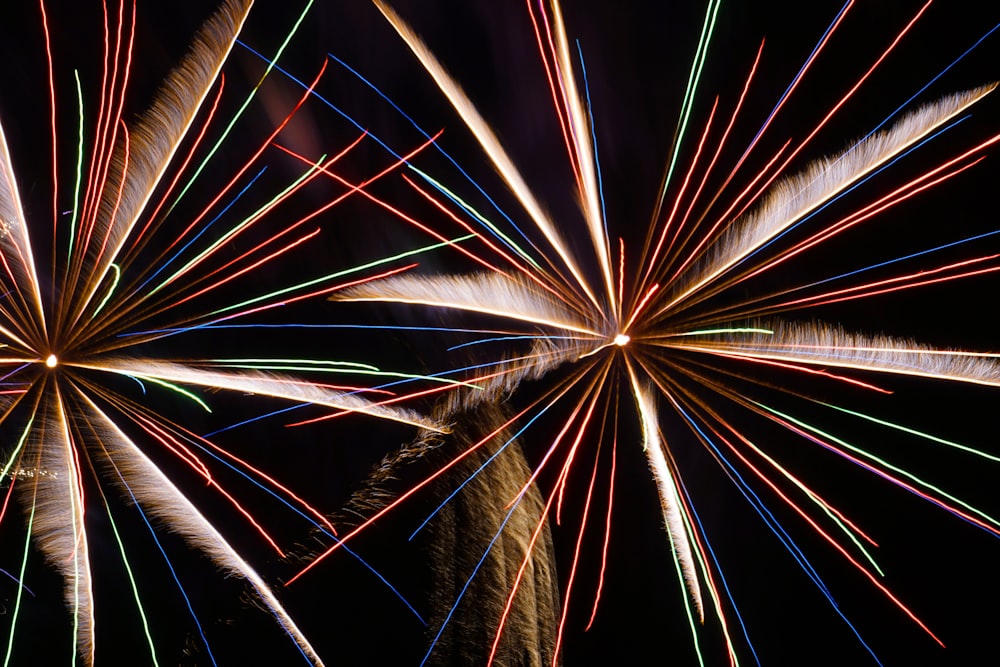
{"x": 88, "y": 322}
{"x": 686, "y": 323}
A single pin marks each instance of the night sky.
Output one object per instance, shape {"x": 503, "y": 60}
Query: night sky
{"x": 637, "y": 56}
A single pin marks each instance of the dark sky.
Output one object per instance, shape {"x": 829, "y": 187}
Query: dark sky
{"x": 637, "y": 55}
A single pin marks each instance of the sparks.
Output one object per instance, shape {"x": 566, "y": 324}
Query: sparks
{"x": 124, "y": 271}
{"x": 701, "y": 324}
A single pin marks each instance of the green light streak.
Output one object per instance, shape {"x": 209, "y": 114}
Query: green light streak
{"x": 17, "y": 450}
{"x": 345, "y": 368}
{"x": 111, "y": 290}
{"x": 27, "y": 541}
{"x": 20, "y": 589}
{"x": 919, "y": 434}
{"x": 845, "y": 529}
{"x": 238, "y": 228}
{"x": 888, "y": 466}
{"x": 132, "y": 583}
{"x": 243, "y": 107}
{"x": 711, "y": 12}
{"x": 685, "y": 597}
{"x": 703, "y": 566}
{"x": 79, "y": 531}
{"x": 480, "y": 217}
{"x": 345, "y": 272}
{"x": 169, "y": 385}
{"x": 79, "y": 165}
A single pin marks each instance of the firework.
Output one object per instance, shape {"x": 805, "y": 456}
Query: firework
{"x": 100, "y": 284}
{"x": 686, "y": 321}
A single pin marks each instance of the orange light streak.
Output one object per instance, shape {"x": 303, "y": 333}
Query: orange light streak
{"x": 52, "y": 120}
{"x": 607, "y": 523}
{"x": 184, "y": 165}
{"x": 559, "y": 106}
{"x": 520, "y": 572}
{"x": 651, "y": 264}
{"x": 500, "y": 251}
{"x": 639, "y": 307}
{"x": 455, "y": 461}
{"x": 795, "y": 84}
{"x": 576, "y": 550}
{"x": 239, "y": 174}
{"x": 325, "y": 290}
{"x": 725, "y": 217}
{"x": 708, "y": 171}
{"x": 795, "y": 367}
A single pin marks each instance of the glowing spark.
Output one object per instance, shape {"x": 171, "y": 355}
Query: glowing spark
{"x": 684, "y": 342}
{"x": 98, "y": 308}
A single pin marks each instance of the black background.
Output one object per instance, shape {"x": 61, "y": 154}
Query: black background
{"x": 637, "y": 58}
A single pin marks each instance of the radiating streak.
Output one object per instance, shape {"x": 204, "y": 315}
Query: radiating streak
{"x": 20, "y": 589}
{"x": 494, "y": 230}
{"x": 652, "y": 266}
{"x": 703, "y": 550}
{"x": 843, "y": 100}
{"x": 986, "y": 522}
{"x": 798, "y": 368}
{"x": 795, "y": 197}
{"x": 724, "y": 220}
{"x": 489, "y": 244}
{"x": 798, "y": 78}
{"x": 338, "y": 274}
{"x": 16, "y": 243}
{"x": 822, "y": 344}
{"x": 484, "y": 135}
{"x": 140, "y": 237}
{"x": 62, "y": 538}
{"x": 521, "y": 570}
{"x": 847, "y": 527}
{"x": 669, "y": 499}
{"x": 547, "y": 64}
{"x": 487, "y": 293}
{"x": 238, "y": 229}
{"x": 159, "y": 496}
{"x": 131, "y": 579}
{"x": 470, "y": 210}
{"x": 919, "y": 434}
{"x": 652, "y": 262}
{"x": 576, "y": 559}
{"x": 765, "y": 514}
{"x": 165, "y": 438}
{"x": 340, "y": 367}
{"x": 559, "y": 392}
{"x": 701, "y": 53}
{"x": 271, "y": 64}
{"x": 360, "y": 189}
{"x": 159, "y": 132}
{"x": 907, "y": 281}
{"x": 901, "y": 194}
{"x": 256, "y": 383}
{"x": 607, "y": 518}
{"x": 225, "y": 190}
{"x": 580, "y": 133}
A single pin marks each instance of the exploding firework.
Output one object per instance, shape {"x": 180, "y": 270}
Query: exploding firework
{"x": 701, "y": 341}
{"x": 104, "y": 278}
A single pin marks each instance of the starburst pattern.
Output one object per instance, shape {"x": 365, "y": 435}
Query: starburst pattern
{"x": 86, "y": 327}
{"x": 686, "y": 325}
